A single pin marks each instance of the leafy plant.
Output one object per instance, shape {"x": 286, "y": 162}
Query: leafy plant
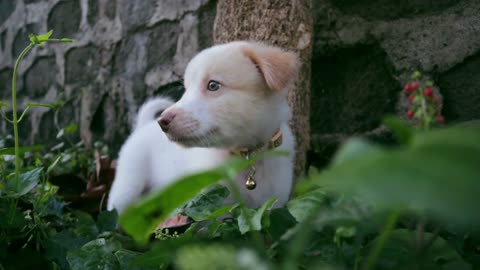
{"x": 15, "y": 120}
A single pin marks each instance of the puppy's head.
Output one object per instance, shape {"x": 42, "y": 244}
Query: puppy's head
{"x": 235, "y": 96}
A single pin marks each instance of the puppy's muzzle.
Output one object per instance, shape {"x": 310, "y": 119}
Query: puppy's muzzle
{"x": 165, "y": 121}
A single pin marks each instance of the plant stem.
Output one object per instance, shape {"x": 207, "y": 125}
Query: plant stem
{"x": 14, "y": 112}
{"x": 382, "y": 239}
{"x": 15, "y": 122}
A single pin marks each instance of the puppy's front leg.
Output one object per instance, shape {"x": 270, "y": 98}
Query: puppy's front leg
{"x": 131, "y": 177}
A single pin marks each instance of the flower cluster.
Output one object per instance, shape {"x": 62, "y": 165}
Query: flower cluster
{"x": 424, "y": 102}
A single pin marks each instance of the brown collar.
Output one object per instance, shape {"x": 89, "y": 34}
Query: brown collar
{"x": 273, "y": 143}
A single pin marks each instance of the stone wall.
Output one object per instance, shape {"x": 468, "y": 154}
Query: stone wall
{"x": 365, "y": 50}
{"x": 126, "y": 51}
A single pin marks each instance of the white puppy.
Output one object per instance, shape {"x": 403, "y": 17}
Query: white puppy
{"x": 235, "y": 102}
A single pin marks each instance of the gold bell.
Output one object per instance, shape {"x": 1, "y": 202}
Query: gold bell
{"x": 250, "y": 184}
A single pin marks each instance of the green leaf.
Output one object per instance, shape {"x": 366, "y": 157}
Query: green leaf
{"x": 97, "y": 254}
{"x": 400, "y": 252}
{"x": 33, "y": 38}
{"x": 71, "y": 129}
{"x": 40, "y": 39}
{"x": 207, "y": 203}
{"x": 354, "y": 148}
{"x": 126, "y": 259}
{"x": 26, "y": 182}
{"x": 218, "y": 256}
{"x": 4, "y": 104}
{"x": 22, "y": 150}
{"x": 436, "y": 175}
{"x": 107, "y": 221}
{"x": 45, "y": 36}
{"x": 141, "y": 219}
{"x": 86, "y": 226}
{"x": 344, "y": 232}
{"x": 307, "y": 204}
{"x": 54, "y": 164}
{"x": 255, "y": 220}
{"x": 164, "y": 251}
{"x": 402, "y": 132}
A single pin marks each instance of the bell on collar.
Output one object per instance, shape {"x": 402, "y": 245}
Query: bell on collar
{"x": 250, "y": 184}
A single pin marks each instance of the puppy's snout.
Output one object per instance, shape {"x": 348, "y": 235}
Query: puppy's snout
{"x": 165, "y": 120}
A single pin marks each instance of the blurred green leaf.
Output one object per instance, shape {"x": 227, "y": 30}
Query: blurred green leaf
{"x": 344, "y": 232}
{"x": 438, "y": 175}
{"x": 401, "y": 251}
{"x": 399, "y": 128}
{"x": 22, "y": 150}
{"x": 354, "y": 148}
{"x": 140, "y": 219}
{"x": 54, "y": 163}
{"x": 255, "y": 220}
{"x": 4, "y": 104}
{"x": 218, "y": 256}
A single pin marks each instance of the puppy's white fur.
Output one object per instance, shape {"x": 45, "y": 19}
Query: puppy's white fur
{"x": 247, "y": 110}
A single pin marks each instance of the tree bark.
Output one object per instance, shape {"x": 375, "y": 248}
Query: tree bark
{"x": 284, "y": 23}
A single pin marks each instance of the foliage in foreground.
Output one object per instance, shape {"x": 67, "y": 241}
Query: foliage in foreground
{"x": 411, "y": 206}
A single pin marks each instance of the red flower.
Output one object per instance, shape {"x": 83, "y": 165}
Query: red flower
{"x": 414, "y": 85}
{"x": 441, "y": 119}
{"x": 410, "y": 98}
{"x": 408, "y": 88}
{"x": 428, "y": 92}
{"x": 410, "y": 114}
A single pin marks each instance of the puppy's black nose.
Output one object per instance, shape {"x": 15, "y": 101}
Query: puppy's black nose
{"x": 165, "y": 121}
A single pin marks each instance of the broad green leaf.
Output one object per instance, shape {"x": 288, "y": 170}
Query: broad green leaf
{"x": 97, "y": 254}
{"x": 22, "y": 150}
{"x": 206, "y": 203}
{"x": 399, "y": 128}
{"x": 255, "y": 220}
{"x": 141, "y": 219}
{"x": 126, "y": 258}
{"x": 26, "y": 182}
{"x": 401, "y": 252}
{"x": 307, "y": 204}
{"x": 437, "y": 174}
{"x": 107, "y": 221}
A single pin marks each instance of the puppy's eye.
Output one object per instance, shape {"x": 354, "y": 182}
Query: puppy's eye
{"x": 213, "y": 86}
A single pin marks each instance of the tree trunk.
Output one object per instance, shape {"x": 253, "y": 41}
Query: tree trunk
{"x": 288, "y": 24}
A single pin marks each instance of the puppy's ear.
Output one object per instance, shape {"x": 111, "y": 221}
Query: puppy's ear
{"x": 277, "y": 66}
